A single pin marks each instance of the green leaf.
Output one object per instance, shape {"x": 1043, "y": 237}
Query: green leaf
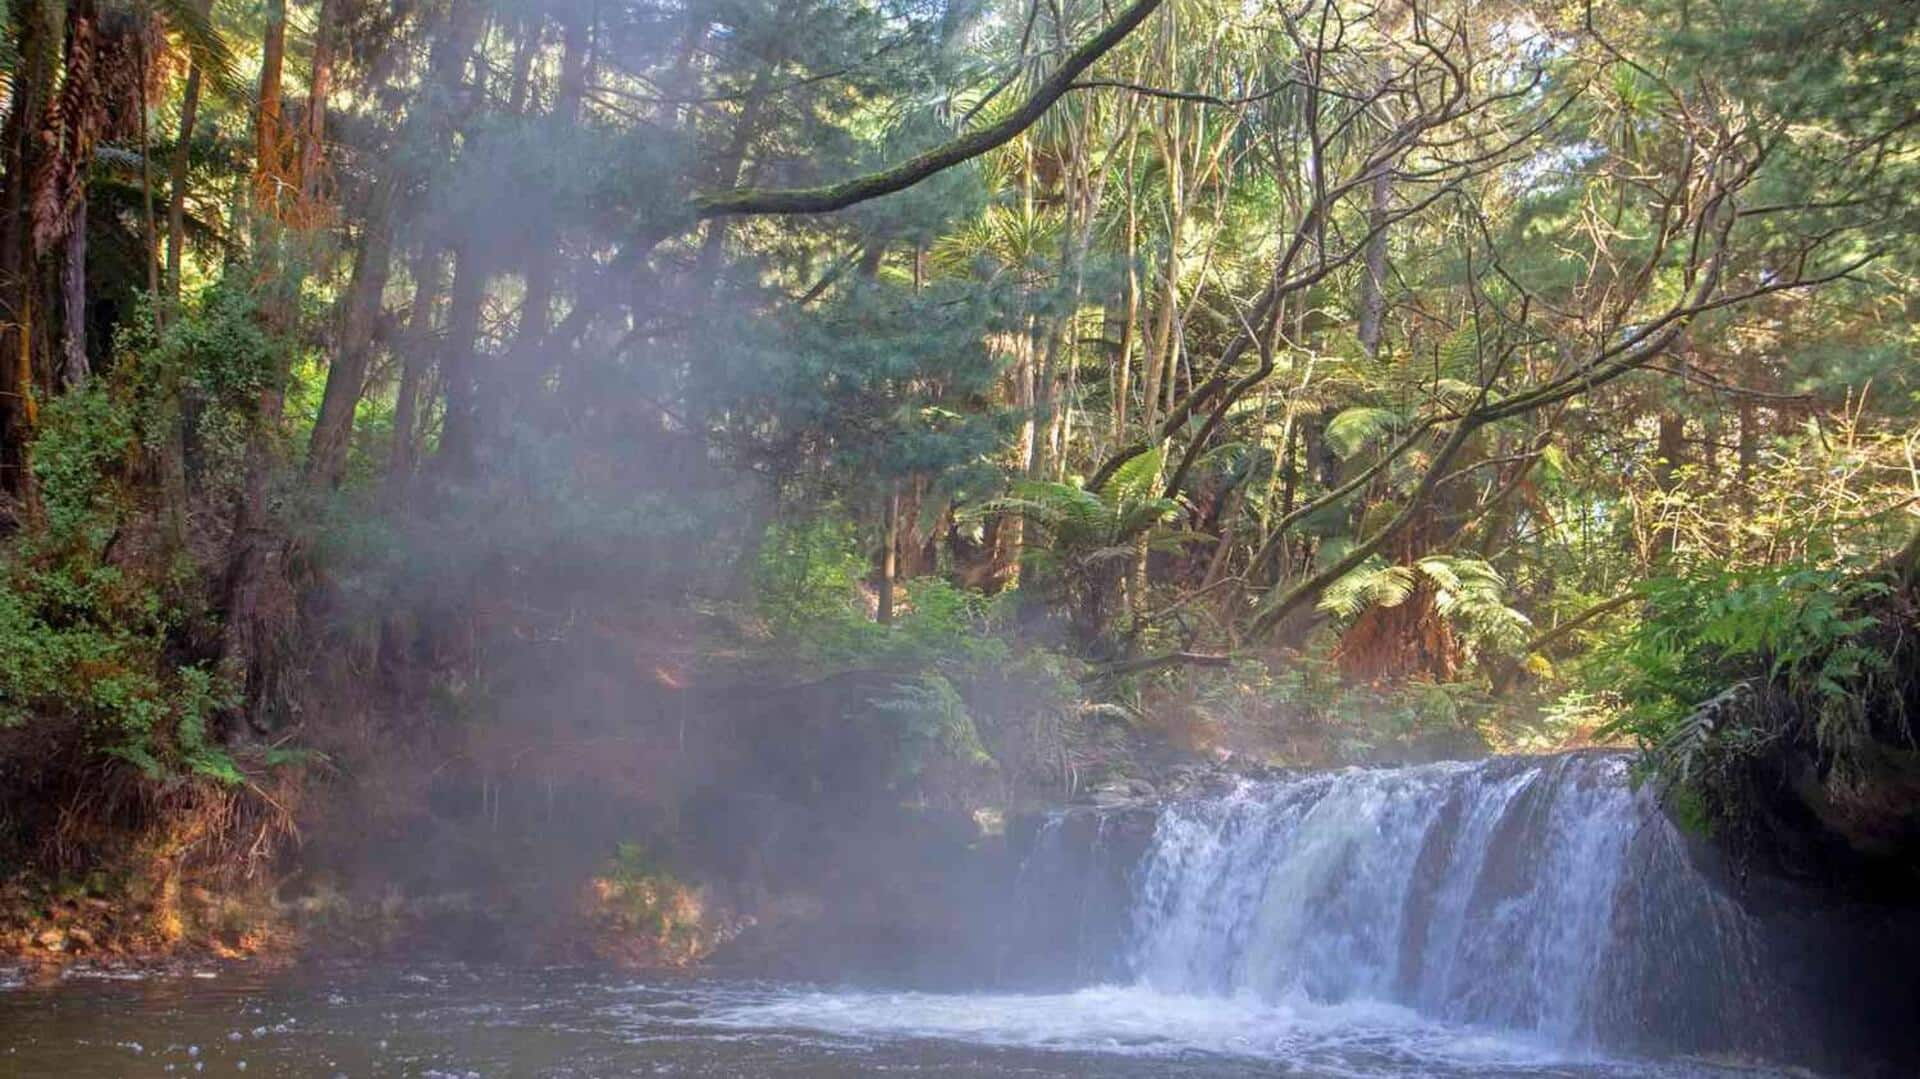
{"x": 1135, "y": 480}
{"x": 1351, "y": 430}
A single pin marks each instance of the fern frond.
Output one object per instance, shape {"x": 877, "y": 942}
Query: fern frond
{"x": 1350, "y": 431}
{"x": 1136, "y": 479}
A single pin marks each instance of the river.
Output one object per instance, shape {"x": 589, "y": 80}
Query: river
{"x": 471, "y": 1021}
{"x": 1508, "y": 917}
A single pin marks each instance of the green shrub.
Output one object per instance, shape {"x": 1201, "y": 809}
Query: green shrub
{"x": 932, "y": 723}
{"x": 1796, "y": 629}
{"x": 100, "y": 612}
{"x": 806, "y": 580}
{"x": 807, "y": 588}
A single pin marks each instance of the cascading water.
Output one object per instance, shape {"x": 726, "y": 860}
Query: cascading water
{"x": 1519, "y": 918}
{"x": 1538, "y": 895}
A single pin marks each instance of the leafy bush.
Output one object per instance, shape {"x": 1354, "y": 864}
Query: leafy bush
{"x": 807, "y": 588}
{"x": 635, "y": 895}
{"x": 1083, "y": 540}
{"x": 933, "y": 723}
{"x": 1468, "y": 593}
{"x": 100, "y": 610}
{"x": 79, "y": 641}
{"x": 943, "y": 641}
{"x": 1712, "y": 630}
{"x": 806, "y": 579}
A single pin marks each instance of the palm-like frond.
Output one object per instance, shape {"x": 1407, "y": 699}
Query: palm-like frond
{"x": 1350, "y": 431}
{"x": 1136, "y": 479}
{"x": 191, "y": 21}
{"x": 1372, "y": 583}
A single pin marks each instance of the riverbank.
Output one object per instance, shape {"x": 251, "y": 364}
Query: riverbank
{"x": 1512, "y": 917}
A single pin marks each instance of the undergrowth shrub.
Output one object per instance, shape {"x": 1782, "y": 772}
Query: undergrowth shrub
{"x": 1746, "y": 687}
{"x": 807, "y": 589}
{"x": 1796, "y": 630}
{"x": 645, "y": 910}
{"x": 964, "y": 694}
{"x": 108, "y": 641}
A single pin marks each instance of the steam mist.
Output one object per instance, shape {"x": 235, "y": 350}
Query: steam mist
{"x": 552, "y": 652}
{"x": 784, "y": 536}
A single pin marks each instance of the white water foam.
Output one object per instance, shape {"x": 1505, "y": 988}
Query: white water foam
{"x": 1358, "y": 1038}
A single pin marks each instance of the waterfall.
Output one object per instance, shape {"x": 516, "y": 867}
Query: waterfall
{"x": 1544, "y": 895}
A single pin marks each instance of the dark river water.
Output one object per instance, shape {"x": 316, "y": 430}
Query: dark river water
{"x": 470, "y": 1021}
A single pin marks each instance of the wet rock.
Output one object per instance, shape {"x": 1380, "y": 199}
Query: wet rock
{"x": 53, "y": 940}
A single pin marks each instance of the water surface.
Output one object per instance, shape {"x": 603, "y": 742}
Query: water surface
{"x": 472, "y": 1021}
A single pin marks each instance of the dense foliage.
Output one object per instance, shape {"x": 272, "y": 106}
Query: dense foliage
{"x": 1309, "y": 381}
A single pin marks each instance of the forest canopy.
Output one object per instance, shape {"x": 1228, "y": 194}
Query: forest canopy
{"x": 1305, "y": 379}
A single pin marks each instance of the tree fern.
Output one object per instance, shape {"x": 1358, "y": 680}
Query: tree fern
{"x": 1350, "y": 431}
{"x": 1468, "y": 593}
{"x": 1373, "y": 583}
{"x": 1136, "y": 479}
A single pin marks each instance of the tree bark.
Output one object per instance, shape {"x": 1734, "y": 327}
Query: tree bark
{"x": 1669, "y": 455}
{"x": 353, "y": 352}
{"x": 269, "y": 136}
{"x": 530, "y": 336}
{"x": 889, "y": 555}
{"x": 713, "y": 244}
{"x": 313, "y": 128}
{"x": 31, "y": 85}
{"x": 75, "y": 368}
{"x": 253, "y": 558}
{"x": 1373, "y": 279}
{"x": 429, "y": 274}
{"x": 177, "y": 183}
{"x": 459, "y": 423}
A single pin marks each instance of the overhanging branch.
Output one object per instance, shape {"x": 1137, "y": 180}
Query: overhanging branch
{"x": 830, "y": 197}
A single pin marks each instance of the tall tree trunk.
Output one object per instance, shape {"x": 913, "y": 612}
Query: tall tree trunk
{"x": 890, "y": 554}
{"x": 37, "y": 43}
{"x": 1670, "y": 454}
{"x": 1748, "y": 452}
{"x": 353, "y": 351}
{"x": 173, "y": 451}
{"x": 460, "y": 421}
{"x": 149, "y": 222}
{"x": 353, "y": 348}
{"x": 254, "y": 556}
{"x": 713, "y": 243}
{"x": 254, "y": 567}
{"x": 530, "y": 337}
{"x": 1373, "y": 278}
{"x": 1160, "y": 346}
{"x": 177, "y": 184}
{"x": 429, "y": 275}
{"x": 521, "y": 79}
{"x": 447, "y": 69}
{"x": 75, "y": 368}
{"x": 1122, "y": 381}
{"x": 313, "y": 126}
{"x": 269, "y": 135}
